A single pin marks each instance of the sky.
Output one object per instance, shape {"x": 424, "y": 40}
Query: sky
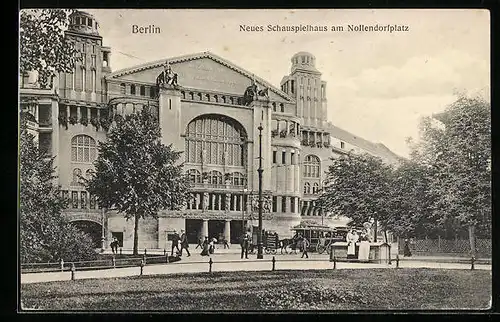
{"x": 379, "y": 84}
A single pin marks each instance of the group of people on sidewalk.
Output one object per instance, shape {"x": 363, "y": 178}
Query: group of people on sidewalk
{"x": 182, "y": 240}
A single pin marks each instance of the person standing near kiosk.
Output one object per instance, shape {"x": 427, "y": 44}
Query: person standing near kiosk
{"x": 351, "y": 238}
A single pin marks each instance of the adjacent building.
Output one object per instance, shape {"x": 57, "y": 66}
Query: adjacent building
{"x": 209, "y": 117}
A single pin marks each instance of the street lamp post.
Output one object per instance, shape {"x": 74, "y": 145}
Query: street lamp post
{"x": 103, "y": 236}
{"x": 260, "y": 255}
{"x": 243, "y": 207}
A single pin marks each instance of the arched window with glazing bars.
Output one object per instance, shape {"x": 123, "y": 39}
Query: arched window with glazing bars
{"x": 215, "y": 140}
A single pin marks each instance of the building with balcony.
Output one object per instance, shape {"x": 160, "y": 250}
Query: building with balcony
{"x": 207, "y": 118}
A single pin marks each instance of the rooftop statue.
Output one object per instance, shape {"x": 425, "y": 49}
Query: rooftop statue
{"x": 252, "y": 93}
{"x": 166, "y": 77}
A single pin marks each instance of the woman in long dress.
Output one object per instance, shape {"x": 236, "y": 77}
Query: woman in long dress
{"x": 351, "y": 238}
{"x": 204, "y": 251}
{"x": 364, "y": 248}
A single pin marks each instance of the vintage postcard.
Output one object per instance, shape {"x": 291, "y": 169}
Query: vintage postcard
{"x": 254, "y": 160}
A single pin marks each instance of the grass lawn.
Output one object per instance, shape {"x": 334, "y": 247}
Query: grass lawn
{"x": 345, "y": 289}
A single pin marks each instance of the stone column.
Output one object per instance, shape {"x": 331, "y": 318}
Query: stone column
{"x": 204, "y": 229}
{"x": 227, "y": 230}
{"x": 36, "y": 107}
{"x": 233, "y": 199}
{"x": 198, "y": 201}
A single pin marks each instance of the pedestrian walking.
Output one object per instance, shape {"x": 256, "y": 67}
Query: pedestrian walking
{"x": 114, "y": 245}
{"x": 200, "y": 242}
{"x": 225, "y": 243}
{"x": 184, "y": 243}
{"x": 245, "y": 241}
{"x": 204, "y": 248}
{"x": 175, "y": 242}
{"x": 305, "y": 246}
{"x": 211, "y": 248}
{"x": 406, "y": 249}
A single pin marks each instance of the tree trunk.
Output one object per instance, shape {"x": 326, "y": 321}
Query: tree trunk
{"x": 385, "y": 235}
{"x": 375, "y": 228}
{"x": 136, "y": 237}
{"x": 472, "y": 239}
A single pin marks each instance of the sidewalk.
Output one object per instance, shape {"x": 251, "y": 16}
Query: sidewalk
{"x": 234, "y": 249}
{"x": 227, "y": 262}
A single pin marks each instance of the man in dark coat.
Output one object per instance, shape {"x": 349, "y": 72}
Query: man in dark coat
{"x": 305, "y": 246}
{"x": 184, "y": 243}
{"x": 406, "y": 249}
{"x": 245, "y": 241}
{"x": 175, "y": 242}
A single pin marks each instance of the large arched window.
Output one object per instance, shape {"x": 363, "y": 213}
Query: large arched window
{"x": 83, "y": 149}
{"x": 215, "y": 139}
{"x": 307, "y": 188}
{"x": 311, "y": 167}
{"x": 194, "y": 176}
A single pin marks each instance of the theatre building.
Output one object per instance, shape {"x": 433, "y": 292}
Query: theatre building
{"x": 212, "y": 113}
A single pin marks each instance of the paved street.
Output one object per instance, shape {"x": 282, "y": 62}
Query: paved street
{"x": 230, "y": 261}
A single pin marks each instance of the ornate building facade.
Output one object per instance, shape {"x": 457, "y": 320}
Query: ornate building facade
{"x": 211, "y": 110}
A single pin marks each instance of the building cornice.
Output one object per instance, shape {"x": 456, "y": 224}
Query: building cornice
{"x": 186, "y": 58}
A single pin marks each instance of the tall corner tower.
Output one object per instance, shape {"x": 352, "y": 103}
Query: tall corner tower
{"x": 169, "y": 109}
{"x": 86, "y": 82}
{"x": 305, "y": 85}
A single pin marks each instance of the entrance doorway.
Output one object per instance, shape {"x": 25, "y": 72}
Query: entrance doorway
{"x": 94, "y": 230}
{"x": 193, "y": 230}
{"x": 237, "y": 229}
{"x": 216, "y": 228}
{"x": 119, "y": 236}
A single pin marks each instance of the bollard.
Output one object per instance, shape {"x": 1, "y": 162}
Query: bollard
{"x": 331, "y": 253}
{"x": 397, "y": 261}
{"x": 113, "y": 260}
{"x": 210, "y": 262}
{"x": 142, "y": 266}
{"x": 334, "y": 262}
{"x": 120, "y": 250}
{"x": 166, "y": 258}
{"x": 390, "y": 262}
{"x": 62, "y": 265}
{"x": 73, "y": 269}
{"x": 145, "y": 252}
{"x": 165, "y": 252}
{"x": 472, "y": 263}
{"x": 274, "y": 263}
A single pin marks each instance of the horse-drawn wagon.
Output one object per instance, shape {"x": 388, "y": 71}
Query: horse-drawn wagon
{"x": 270, "y": 241}
{"x": 320, "y": 237}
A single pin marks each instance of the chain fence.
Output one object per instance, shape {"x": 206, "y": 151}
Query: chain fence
{"x": 456, "y": 247}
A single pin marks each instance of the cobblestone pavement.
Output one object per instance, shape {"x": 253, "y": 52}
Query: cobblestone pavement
{"x": 232, "y": 262}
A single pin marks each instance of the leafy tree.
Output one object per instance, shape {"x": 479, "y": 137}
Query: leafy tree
{"x": 136, "y": 174}
{"x": 411, "y": 201}
{"x": 358, "y": 187}
{"x": 42, "y": 44}
{"x": 458, "y": 150}
{"x": 45, "y": 235}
